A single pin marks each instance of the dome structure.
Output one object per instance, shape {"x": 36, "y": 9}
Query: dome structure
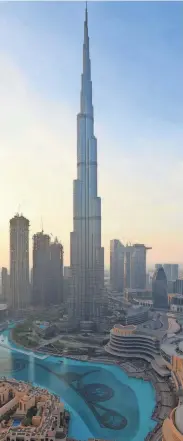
{"x": 179, "y": 418}
{"x": 159, "y": 289}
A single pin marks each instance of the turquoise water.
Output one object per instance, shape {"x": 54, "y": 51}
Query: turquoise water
{"x": 104, "y": 402}
{"x": 16, "y": 423}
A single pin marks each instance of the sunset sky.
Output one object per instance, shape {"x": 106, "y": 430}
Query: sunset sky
{"x": 137, "y": 71}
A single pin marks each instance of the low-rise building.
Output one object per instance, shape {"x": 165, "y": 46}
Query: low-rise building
{"x": 127, "y": 341}
{"x": 172, "y": 354}
{"x": 172, "y": 429}
{"x": 139, "y": 341}
{"x": 29, "y": 413}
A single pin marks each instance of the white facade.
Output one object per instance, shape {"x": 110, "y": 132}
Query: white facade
{"x": 19, "y": 262}
{"x": 87, "y": 255}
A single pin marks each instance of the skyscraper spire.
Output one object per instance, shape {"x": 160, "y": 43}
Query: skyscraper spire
{"x": 86, "y": 13}
{"x": 86, "y": 84}
{"x": 87, "y": 255}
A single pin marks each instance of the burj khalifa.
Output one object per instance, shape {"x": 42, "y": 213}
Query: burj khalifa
{"x": 87, "y": 255}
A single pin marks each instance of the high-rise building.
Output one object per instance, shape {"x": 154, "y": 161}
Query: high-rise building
{"x": 117, "y": 256}
{"x": 171, "y": 271}
{"x": 175, "y": 271}
{"x": 41, "y": 269}
{"x": 149, "y": 277}
{"x": 47, "y": 271}
{"x": 87, "y": 255}
{"x": 5, "y": 283}
{"x": 127, "y": 266}
{"x": 159, "y": 289}
{"x": 19, "y": 262}
{"x": 56, "y": 273}
{"x": 178, "y": 286}
{"x": 138, "y": 266}
{"x": 67, "y": 284}
{"x": 135, "y": 266}
{"x": 168, "y": 271}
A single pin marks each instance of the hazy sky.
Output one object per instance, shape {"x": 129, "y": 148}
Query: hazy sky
{"x": 137, "y": 71}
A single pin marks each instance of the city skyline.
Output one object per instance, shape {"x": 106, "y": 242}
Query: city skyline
{"x": 136, "y": 74}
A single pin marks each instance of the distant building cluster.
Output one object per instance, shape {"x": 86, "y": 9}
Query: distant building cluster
{"x": 44, "y": 286}
{"x": 127, "y": 266}
{"x": 162, "y": 289}
{"x": 171, "y": 270}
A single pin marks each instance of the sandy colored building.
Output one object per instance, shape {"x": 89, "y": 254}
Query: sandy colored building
{"x": 30, "y": 413}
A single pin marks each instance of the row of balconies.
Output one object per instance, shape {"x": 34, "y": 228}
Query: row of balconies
{"x": 134, "y": 349}
{"x": 143, "y": 344}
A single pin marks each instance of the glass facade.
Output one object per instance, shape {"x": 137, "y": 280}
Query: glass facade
{"x": 159, "y": 289}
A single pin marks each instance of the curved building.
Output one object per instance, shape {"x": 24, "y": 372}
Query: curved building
{"x": 159, "y": 289}
{"x": 172, "y": 354}
{"x": 172, "y": 429}
{"x": 127, "y": 341}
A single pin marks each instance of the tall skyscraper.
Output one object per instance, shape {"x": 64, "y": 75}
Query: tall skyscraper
{"x": 171, "y": 271}
{"x": 47, "y": 271}
{"x": 138, "y": 266}
{"x": 41, "y": 267}
{"x": 135, "y": 266}
{"x": 117, "y": 257}
{"x": 19, "y": 262}
{"x": 127, "y": 265}
{"x": 168, "y": 271}
{"x": 56, "y": 273}
{"x": 175, "y": 271}
{"x": 5, "y": 281}
{"x": 67, "y": 284}
{"x": 87, "y": 255}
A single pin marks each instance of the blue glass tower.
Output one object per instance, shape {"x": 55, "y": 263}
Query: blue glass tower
{"x": 87, "y": 255}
